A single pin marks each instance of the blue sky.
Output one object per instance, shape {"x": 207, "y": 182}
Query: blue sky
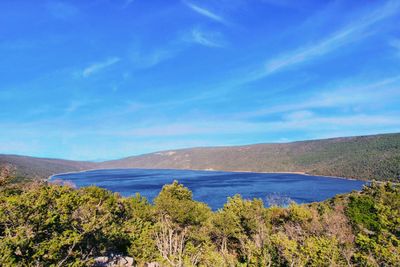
{"x": 105, "y": 79}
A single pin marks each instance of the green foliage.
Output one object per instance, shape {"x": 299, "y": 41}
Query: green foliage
{"x": 299, "y": 214}
{"x": 181, "y": 230}
{"x": 175, "y": 201}
{"x": 142, "y": 245}
{"x": 54, "y": 225}
{"x": 50, "y": 225}
{"x": 361, "y": 210}
{"x": 375, "y": 214}
{"x": 321, "y": 251}
{"x": 288, "y": 252}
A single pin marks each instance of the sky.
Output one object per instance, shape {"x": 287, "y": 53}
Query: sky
{"x": 105, "y": 79}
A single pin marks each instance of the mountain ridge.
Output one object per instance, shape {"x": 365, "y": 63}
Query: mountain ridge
{"x": 359, "y": 157}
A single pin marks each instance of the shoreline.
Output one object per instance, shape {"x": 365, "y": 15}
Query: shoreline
{"x": 211, "y": 170}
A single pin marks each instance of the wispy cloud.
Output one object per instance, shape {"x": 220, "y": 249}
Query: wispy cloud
{"x": 355, "y": 31}
{"x": 134, "y": 139}
{"x": 342, "y": 96}
{"x": 96, "y": 67}
{"x": 75, "y": 105}
{"x": 296, "y": 123}
{"x": 144, "y": 58}
{"x": 205, "y": 12}
{"x": 206, "y": 38}
{"x": 346, "y": 35}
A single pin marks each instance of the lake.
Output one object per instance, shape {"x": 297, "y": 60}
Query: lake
{"x": 213, "y": 187}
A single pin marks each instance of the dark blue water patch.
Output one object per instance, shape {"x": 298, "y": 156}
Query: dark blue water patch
{"x": 214, "y": 187}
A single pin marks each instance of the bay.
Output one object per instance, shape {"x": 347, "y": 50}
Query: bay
{"x": 214, "y": 187}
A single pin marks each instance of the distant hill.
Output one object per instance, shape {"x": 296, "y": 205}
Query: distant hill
{"x": 42, "y": 168}
{"x": 361, "y": 157}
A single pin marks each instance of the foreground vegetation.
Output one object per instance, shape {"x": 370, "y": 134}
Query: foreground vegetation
{"x": 45, "y": 224}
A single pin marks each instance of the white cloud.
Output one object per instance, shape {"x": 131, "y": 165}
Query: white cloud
{"x": 147, "y": 58}
{"x": 206, "y": 38}
{"x": 134, "y": 138}
{"x": 346, "y": 35}
{"x": 341, "y": 96}
{"x": 355, "y": 31}
{"x": 309, "y": 124}
{"x": 205, "y": 12}
{"x": 96, "y": 67}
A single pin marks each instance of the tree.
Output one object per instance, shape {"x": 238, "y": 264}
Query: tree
{"x": 181, "y": 222}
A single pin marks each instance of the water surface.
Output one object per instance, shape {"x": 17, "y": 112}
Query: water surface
{"x": 213, "y": 187}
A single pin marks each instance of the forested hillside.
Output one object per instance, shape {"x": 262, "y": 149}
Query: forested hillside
{"x": 363, "y": 157}
{"x": 45, "y": 224}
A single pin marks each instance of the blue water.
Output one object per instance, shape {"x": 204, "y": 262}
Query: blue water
{"x": 214, "y": 187}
